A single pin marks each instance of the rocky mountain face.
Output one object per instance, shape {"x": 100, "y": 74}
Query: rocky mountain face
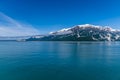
{"x": 85, "y": 32}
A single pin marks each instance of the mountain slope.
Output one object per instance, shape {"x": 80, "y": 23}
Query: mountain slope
{"x": 85, "y": 32}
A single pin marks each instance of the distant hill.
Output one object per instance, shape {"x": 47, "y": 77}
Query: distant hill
{"x": 85, "y": 32}
{"x": 13, "y": 38}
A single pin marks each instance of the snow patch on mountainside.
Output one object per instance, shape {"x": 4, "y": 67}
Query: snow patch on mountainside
{"x": 61, "y": 32}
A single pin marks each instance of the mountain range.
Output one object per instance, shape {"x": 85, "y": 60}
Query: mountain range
{"x": 86, "y": 32}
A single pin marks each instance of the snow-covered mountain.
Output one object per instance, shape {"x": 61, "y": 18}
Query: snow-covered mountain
{"x": 85, "y": 32}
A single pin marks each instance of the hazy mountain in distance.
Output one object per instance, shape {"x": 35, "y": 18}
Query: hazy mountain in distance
{"x": 13, "y": 38}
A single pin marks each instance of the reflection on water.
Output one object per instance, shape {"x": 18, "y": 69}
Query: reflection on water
{"x": 59, "y": 60}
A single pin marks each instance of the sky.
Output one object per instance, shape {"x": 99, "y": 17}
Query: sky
{"x": 43, "y": 16}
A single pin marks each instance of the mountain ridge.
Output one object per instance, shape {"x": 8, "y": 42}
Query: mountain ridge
{"x": 86, "y": 32}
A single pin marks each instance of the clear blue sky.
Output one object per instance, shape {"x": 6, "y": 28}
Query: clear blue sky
{"x": 56, "y": 14}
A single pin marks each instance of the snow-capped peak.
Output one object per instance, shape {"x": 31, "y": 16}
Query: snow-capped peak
{"x": 89, "y": 25}
{"x": 106, "y": 28}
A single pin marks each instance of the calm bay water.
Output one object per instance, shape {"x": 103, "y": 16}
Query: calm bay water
{"x": 59, "y": 60}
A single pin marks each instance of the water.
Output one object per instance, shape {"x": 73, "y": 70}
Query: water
{"x": 59, "y": 60}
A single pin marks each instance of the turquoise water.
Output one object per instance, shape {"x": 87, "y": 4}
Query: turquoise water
{"x": 59, "y": 60}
